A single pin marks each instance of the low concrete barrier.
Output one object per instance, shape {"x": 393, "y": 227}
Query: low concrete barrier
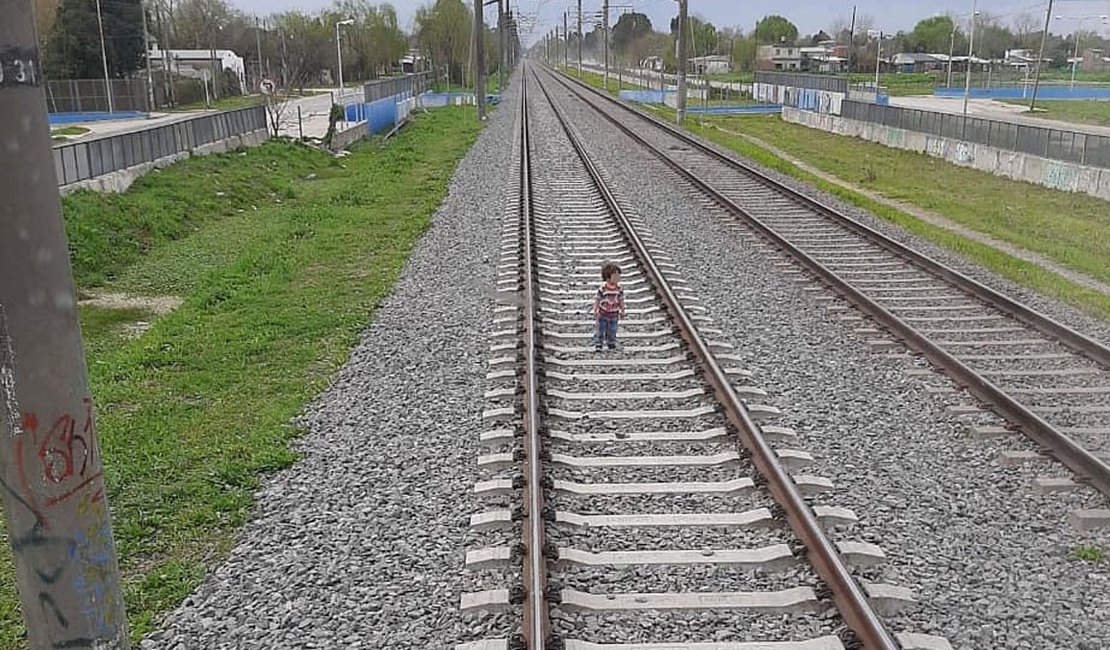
{"x": 1067, "y": 176}
{"x": 121, "y": 179}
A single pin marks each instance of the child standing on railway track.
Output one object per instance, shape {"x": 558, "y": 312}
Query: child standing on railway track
{"x": 608, "y": 307}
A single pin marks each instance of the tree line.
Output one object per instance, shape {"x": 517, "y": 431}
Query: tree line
{"x": 634, "y": 38}
{"x": 291, "y": 47}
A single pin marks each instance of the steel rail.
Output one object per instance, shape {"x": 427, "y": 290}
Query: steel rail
{"x": 1079, "y": 342}
{"x": 849, "y": 597}
{"x": 1074, "y": 456}
{"x": 537, "y": 622}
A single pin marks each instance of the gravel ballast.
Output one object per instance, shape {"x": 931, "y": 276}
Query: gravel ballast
{"x": 990, "y": 560}
{"x": 361, "y": 543}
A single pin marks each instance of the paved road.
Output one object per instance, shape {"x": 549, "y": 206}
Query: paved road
{"x": 314, "y": 115}
{"x": 993, "y": 110}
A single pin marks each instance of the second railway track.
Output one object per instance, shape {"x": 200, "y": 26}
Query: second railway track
{"x": 643, "y": 499}
{"x": 1047, "y": 380}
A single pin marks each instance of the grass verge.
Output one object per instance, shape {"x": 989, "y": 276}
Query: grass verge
{"x": 195, "y": 411}
{"x": 1072, "y": 229}
{"x": 1077, "y": 111}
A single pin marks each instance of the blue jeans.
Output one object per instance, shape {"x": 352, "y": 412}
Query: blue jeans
{"x": 606, "y": 331}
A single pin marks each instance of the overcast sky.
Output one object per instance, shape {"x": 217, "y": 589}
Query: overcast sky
{"x": 808, "y": 15}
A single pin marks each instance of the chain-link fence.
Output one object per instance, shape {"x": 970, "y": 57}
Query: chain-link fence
{"x": 411, "y": 84}
{"x": 87, "y": 159}
{"x": 824, "y": 82}
{"x": 91, "y": 95}
{"x": 1057, "y": 144}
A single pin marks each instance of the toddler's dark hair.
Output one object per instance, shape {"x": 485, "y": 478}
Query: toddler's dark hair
{"x": 608, "y": 270}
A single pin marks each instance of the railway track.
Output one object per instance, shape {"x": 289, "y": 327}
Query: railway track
{"x": 644, "y": 498}
{"x": 1046, "y": 380}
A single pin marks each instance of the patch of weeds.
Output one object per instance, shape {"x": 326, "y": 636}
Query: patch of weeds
{"x": 1089, "y": 553}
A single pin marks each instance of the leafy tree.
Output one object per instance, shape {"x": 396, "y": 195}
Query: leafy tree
{"x": 631, "y": 27}
{"x": 992, "y": 38}
{"x": 701, "y": 36}
{"x": 443, "y": 32}
{"x": 309, "y": 46}
{"x": 73, "y": 47}
{"x": 932, "y": 34}
{"x": 743, "y": 54}
{"x": 375, "y": 41}
{"x": 775, "y": 29}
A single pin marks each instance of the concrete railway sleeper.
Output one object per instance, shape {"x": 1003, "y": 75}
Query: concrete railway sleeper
{"x": 1046, "y": 380}
{"x": 644, "y": 498}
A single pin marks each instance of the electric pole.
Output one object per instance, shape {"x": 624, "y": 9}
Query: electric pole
{"x": 501, "y": 55}
{"x": 605, "y": 29}
{"x": 566, "y": 46}
{"x": 146, "y": 55}
{"x": 51, "y": 479}
{"x": 1040, "y": 57}
{"x": 258, "y": 46}
{"x": 680, "y": 101}
{"x": 479, "y": 61}
{"x": 579, "y": 39}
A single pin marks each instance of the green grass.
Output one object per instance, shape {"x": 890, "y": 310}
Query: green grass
{"x": 69, "y": 130}
{"x": 1072, "y": 229}
{"x": 222, "y": 104}
{"x": 109, "y": 232}
{"x": 196, "y": 410}
{"x": 1092, "y": 554}
{"x": 1075, "y": 111}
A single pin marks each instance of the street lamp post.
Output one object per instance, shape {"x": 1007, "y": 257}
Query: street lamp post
{"x": 878, "y": 58}
{"x": 951, "y": 53}
{"x": 967, "y": 77}
{"x": 339, "y": 52}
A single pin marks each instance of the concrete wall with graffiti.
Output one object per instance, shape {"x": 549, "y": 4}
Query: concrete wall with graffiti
{"x": 1070, "y": 177}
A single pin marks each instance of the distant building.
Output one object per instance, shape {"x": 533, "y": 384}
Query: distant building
{"x": 412, "y": 62}
{"x": 916, "y": 62}
{"x": 779, "y": 57}
{"x": 713, "y": 64}
{"x": 198, "y": 64}
{"x": 1094, "y": 60}
{"x": 825, "y": 56}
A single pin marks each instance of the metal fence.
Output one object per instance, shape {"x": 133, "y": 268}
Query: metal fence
{"x": 1057, "y": 144}
{"x": 87, "y": 159}
{"x": 412, "y": 84}
{"x": 89, "y": 95}
{"x": 824, "y": 82}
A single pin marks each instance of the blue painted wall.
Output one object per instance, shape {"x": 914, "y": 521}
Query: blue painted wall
{"x": 1044, "y": 92}
{"x": 70, "y": 118}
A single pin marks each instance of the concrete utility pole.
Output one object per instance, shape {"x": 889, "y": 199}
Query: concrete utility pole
{"x": 51, "y": 479}
{"x": 146, "y": 55}
{"x": 566, "y": 46}
{"x": 579, "y": 39}
{"x": 1040, "y": 57}
{"x": 605, "y": 30}
{"x": 479, "y": 60}
{"x": 501, "y": 56}
{"x": 851, "y": 43}
{"x": 258, "y": 46}
{"x": 680, "y": 103}
{"x": 104, "y": 58}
